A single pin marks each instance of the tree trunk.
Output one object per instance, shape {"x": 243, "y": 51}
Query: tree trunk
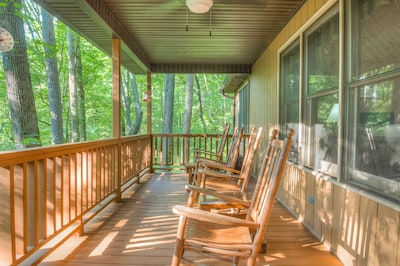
{"x": 53, "y": 81}
{"x": 168, "y": 103}
{"x": 187, "y": 117}
{"x": 73, "y": 94}
{"x": 132, "y": 128}
{"x": 168, "y": 115}
{"x": 138, "y": 110}
{"x": 207, "y": 96}
{"x": 81, "y": 92}
{"x": 126, "y": 103}
{"x": 18, "y": 81}
{"x": 203, "y": 122}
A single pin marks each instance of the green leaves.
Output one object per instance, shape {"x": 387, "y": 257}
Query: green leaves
{"x": 97, "y": 85}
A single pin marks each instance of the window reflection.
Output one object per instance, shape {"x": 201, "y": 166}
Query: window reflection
{"x": 377, "y": 140}
{"x": 323, "y": 133}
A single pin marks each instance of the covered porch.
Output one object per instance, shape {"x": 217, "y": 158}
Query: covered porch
{"x": 109, "y": 202}
{"x": 51, "y": 194}
{"x": 141, "y": 229}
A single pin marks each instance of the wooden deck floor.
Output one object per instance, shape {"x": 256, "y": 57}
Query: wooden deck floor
{"x": 141, "y": 231}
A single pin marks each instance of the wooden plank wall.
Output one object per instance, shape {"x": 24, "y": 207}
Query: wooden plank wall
{"x": 359, "y": 230}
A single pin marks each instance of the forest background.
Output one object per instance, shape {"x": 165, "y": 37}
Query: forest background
{"x": 56, "y": 87}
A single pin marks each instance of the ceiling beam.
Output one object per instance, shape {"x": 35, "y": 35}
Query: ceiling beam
{"x": 201, "y": 68}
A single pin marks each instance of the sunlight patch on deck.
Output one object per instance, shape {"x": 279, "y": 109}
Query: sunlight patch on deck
{"x": 150, "y": 243}
{"x": 121, "y": 223}
{"x": 102, "y": 246}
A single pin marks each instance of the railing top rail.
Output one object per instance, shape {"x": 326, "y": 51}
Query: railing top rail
{"x": 190, "y": 135}
{"x": 37, "y": 153}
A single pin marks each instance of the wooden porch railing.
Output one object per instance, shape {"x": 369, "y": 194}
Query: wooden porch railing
{"x": 49, "y": 193}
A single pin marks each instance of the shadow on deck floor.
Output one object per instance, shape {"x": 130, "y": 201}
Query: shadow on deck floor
{"x": 141, "y": 231}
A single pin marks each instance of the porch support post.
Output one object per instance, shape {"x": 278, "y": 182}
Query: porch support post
{"x": 116, "y": 97}
{"x": 150, "y": 117}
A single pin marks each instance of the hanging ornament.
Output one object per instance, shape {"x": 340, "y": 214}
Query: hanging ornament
{"x": 6, "y": 40}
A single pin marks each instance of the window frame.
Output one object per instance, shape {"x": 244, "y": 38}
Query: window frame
{"x": 309, "y": 100}
{"x": 284, "y": 103}
{"x": 243, "y": 108}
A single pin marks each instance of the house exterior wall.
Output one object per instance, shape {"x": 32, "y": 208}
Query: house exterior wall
{"x": 360, "y": 228}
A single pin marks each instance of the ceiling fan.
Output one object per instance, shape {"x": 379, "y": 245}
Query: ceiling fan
{"x": 207, "y": 6}
{"x": 204, "y": 6}
{"x": 199, "y": 6}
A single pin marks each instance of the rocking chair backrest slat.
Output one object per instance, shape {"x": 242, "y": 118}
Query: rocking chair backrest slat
{"x": 224, "y": 139}
{"x": 249, "y": 158}
{"x": 234, "y": 148}
{"x": 248, "y": 154}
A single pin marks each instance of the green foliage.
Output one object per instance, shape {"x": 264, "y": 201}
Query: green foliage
{"x": 217, "y": 109}
{"x": 97, "y": 84}
{"x": 318, "y": 83}
{"x": 31, "y": 141}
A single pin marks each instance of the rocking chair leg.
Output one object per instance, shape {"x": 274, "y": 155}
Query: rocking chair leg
{"x": 263, "y": 248}
{"x": 178, "y": 251}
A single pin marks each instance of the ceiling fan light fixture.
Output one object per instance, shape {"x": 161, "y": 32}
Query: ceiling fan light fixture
{"x": 199, "y": 6}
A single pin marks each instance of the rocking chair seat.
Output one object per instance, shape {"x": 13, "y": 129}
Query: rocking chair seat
{"x": 217, "y": 200}
{"x": 230, "y": 235}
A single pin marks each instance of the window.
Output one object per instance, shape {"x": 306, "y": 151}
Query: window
{"x": 243, "y": 114}
{"x": 373, "y": 97}
{"x": 371, "y": 112}
{"x": 320, "y": 101}
{"x": 289, "y": 94}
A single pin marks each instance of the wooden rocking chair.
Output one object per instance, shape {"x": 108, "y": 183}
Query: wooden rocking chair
{"x": 227, "y": 196}
{"x": 231, "y": 159}
{"x": 231, "y": 237}
{"x": 218, "y": 155}
{"x": 225, "y": 178}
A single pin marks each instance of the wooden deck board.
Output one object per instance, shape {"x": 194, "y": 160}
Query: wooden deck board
{"x": 141, "y": 231}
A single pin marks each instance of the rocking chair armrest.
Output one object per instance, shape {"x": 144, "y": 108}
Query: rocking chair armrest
{"x": 218, "y": 166}
{"x": 206, "y": 216}
{"x": 224, "y": 196}
{"x": 213, "y": 173}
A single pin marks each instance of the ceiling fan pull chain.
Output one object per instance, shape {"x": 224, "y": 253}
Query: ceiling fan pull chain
{"x": 210, "y": 22}
{"x": 187, "y": 19}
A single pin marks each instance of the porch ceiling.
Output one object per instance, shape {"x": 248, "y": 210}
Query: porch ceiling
{"x": 154, "y": 36}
